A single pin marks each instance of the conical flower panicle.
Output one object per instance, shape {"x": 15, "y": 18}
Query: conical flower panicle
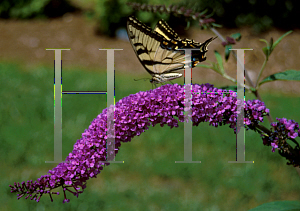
{"x": 132, "y": 116}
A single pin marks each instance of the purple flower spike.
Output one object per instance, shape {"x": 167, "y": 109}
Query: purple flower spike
{"x": 283, "y": 129}
{"x": 133, "y": 115}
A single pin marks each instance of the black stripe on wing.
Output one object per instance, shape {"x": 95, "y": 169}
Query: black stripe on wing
{"x": 159, "y": 50}
{"x": 144, "y": 42}
{"x": 163, "y": 28}
{"x": 147, "y": 45}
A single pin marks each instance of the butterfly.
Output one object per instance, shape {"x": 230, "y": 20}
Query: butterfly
{"x": 159, "y": 50}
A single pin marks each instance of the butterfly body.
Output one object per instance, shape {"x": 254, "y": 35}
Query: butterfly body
{"x": 159, "y": 50}
{"x": 161, "y": 78}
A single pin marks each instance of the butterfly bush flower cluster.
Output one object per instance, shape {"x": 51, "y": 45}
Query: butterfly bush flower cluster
{"x": 133, "y": 115}
{"x": 281, "y": 131}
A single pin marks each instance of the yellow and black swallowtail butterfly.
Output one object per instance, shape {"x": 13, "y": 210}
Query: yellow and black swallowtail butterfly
{"x": 159, "y": 50}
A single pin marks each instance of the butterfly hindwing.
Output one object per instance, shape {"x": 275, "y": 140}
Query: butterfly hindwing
{"x": 170, "y": 60}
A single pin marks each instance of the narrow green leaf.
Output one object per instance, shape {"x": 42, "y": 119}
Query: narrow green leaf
{"x": 202, "y": 13}
{"x": 210, "y": 15}
{"x": 227, "y": 51}
{"x": 271, "y": 42}
{"x": 271, "y": 46}
{"x": 204, "y": 66}
{"x": 288, "y": 75}
{"x": 280, "y": 38}
{"x": 216, "y": 25}
{"x": 263, "y": 40}
{"x": 220, "y": 62}
{"x": 236, "y": 36}
{"x": 265, "y": 49}
{"x": 278, "y": 206}
{"x": 214, "y": 66}
{"x": 188, "y": 24}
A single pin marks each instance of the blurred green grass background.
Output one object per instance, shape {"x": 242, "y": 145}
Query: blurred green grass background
{"x": 149, "y": 179}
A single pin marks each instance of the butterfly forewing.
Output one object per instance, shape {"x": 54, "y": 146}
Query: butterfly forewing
{"x": 143, "y": 41}
{"x": 165, "y": 30}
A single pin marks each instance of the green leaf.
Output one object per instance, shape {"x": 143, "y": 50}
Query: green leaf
{"x": 236, "y": 36}
{"x": 202, "y": 13}
{"x": 216, "y": 25}
{"x": 263, "y": 40}
{"x": 278, "y": 206}
{"x": 204, "y": 66}
{"x": 280, "y": 38}
{"x": 270, "y": 46}
{"x": 210, "y": 15}
{"x": 227, "y": 51}
{"x": 265, "y": 49}
{"x": 187, "y": 25}
{"x": 288, "y": 75}
{"x": 220, "y": 62}
{"x": 214, "y": 66}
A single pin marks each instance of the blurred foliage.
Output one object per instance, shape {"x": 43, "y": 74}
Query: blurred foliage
{"x": 261, "y": 15}
{"x": 112, "y": 15}
{"x": 34, "y": 8}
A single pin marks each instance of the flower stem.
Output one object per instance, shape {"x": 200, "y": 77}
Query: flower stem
{"x": 260, "y": 72}
{"x": 215, "y": 31}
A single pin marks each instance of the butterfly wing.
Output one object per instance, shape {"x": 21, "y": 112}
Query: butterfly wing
{"x": 163, "y": 28}
{"x": 144, "y": 42}
{"x": 157, "y": 54}
{"x": 177, "y": 59}
{"x": 199, "y": 54}
{"x": 159, "y": 50}
{"x": 171, "y": 59}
